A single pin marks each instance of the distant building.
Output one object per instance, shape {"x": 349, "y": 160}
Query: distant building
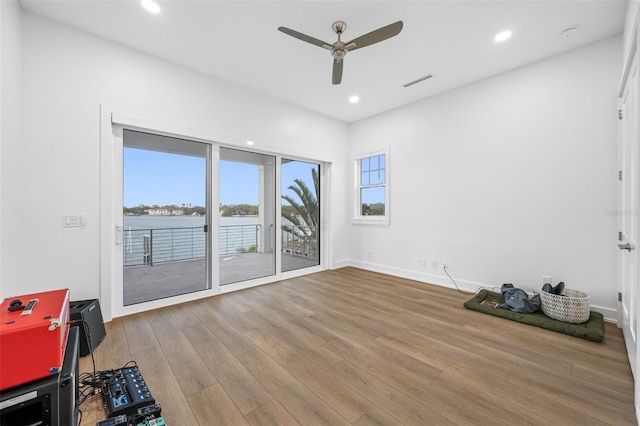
{"x": 164, "y": 211}
{"x": 159, "y": 212}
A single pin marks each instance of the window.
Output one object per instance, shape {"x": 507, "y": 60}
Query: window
{"x": 371, "y": 197}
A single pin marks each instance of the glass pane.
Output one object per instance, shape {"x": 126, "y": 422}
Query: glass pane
{"x": 382, "y": 177}
{"x": 300, "y": 231}
{"x": 372, "y": 201}
{"x": 375, "y": 177}
{"x": 382, "y": 161}
{"x": 247, "y": 215}
{"x": 164, "y": 243}
{"x": 375, "y": 162}
{"x": 364, "y": 179}
{"x": 364, "y": 164}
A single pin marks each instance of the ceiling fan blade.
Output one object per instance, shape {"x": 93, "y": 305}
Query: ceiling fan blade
{"x": 336, "y": 75}
{"x": 305, "y": 37}
{"x": 375, "y": 36}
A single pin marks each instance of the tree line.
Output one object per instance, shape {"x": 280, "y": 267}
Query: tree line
{"x": 143, "y": 209}
{"x": 189, "y": 210}
{"x": 302, "y": 209}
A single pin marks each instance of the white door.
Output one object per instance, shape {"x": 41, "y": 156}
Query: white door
{"x": 628, "y": 213}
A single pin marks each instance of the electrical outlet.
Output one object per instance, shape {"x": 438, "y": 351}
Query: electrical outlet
{"x": 546, "y": 279}
{"x": 434, "y": 264}
{"x": 444, "y": 263}
{"x": 369, "y": 255}
{"x": 422, "y": 262}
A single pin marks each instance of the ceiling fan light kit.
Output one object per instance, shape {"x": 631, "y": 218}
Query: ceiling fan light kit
{"x": 339, "y": 49}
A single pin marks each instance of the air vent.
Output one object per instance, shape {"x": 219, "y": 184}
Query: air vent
{"x": 426, "y": 77}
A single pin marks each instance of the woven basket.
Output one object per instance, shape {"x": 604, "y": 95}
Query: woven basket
{"x": 572, "y": 306}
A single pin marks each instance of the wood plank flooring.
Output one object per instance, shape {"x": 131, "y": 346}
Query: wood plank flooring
{"x": 356, "y": 347}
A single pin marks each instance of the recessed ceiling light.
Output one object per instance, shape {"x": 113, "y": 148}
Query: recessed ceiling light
{"x": 354, "y": 99}
{"x": 249, "y": 143}
{"x": 502, "y": 36}
{"x": 151, "y": 6}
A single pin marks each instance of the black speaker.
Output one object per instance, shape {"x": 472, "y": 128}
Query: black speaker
{"x": 91, "y": 327}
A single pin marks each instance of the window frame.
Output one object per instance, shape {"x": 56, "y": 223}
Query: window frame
{"x": 358, "y": 217}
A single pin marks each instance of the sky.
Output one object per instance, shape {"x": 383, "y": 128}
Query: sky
{"x": 160, "y": 178}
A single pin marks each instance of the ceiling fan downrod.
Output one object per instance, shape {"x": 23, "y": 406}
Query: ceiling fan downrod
{"x": 339, "y": 48}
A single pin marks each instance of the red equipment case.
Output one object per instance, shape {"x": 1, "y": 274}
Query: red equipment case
{"x": 32, "y": 345}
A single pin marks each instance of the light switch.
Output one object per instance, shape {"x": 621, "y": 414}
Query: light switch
{"x": 73, "y": 220}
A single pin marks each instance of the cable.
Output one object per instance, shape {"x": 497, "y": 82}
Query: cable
{"x": 454, "y": 281}
{"x": 494, "y": 289}
{"x": 86, "y": 387}
{"x": 87, "y": 334}
{"x": 94, "y": 383}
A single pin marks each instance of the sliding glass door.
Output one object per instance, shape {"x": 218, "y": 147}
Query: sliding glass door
{"x": 165, "y": 209}
{"x": 300, "y": 207}
{"x": 247, "y": 216}
{"x": 166, "y": 240}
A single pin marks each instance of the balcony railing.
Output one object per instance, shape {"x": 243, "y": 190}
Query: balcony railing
{"x": 238, "y": 238}
{"x": 149, "y": 246}
{"x": 153, "y": 246}
{"x": 300, "y": 241}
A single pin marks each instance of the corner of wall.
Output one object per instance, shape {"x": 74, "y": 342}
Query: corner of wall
{"x": 11, "y": 147}
{"x": 610, "y": 315}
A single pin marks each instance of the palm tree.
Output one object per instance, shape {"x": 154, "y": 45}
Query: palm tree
{"x": 307, "y": 209}
{"x": 303, "y": 213}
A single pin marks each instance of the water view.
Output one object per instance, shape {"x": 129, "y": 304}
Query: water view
{"x": 158, "y": 239}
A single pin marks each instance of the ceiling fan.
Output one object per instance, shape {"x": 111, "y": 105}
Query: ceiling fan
{"x": 339, "y": 49}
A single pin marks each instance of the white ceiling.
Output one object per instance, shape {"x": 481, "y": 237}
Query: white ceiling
{"x": 237, "y": 41}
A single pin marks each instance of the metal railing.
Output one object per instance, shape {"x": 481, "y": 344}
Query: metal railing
{"x": 150, "y": 246}
{"x": 162, "y": 245}
{"x": 239, "y": 238}
{"x": 300, "y": 241}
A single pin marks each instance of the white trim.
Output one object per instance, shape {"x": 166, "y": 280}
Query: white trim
{"x": 610, "y": 315}
{"x": 629, "y": 56}
{"x": 339, "y": 264}
{"x": 106, "y": 223}
{"x": 326, "y": 251}
{"x": 358, "y": 218}
{"x": 135, "y": 122}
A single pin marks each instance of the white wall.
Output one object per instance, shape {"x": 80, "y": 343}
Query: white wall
{"x": 507, "y": 179}
{"x": 67, "y": 75}
{"x": 10, "y": 147}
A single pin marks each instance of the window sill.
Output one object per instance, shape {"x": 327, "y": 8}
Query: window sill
{"x": 379, "y": 222}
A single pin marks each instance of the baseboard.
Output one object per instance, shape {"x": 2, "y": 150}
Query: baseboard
{"x": 610, "y": 315}
{"x": 340, "y": 264}
{"x": 440, "y": 280}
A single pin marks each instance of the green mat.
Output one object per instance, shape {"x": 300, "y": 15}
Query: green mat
{"x": 485, "y": 301}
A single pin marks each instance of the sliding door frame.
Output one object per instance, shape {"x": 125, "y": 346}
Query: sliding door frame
{"x": 111, "y": 280}
{"x": 112, "y": 122}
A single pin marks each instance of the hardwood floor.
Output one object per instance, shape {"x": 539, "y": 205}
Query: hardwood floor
{"x": 356, "y": 347}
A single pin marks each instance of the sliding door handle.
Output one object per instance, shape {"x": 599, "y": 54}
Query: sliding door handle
{"x": 626, "y": 246}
